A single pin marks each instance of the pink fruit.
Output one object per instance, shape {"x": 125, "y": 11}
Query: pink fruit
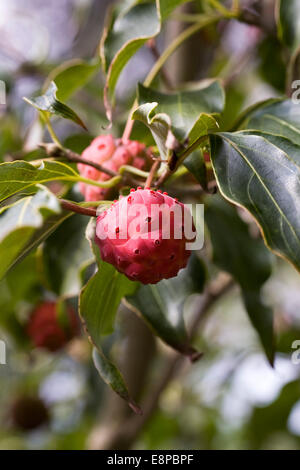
{"x": 133, "y": 235}
{"x": 45, "y": 329}
{"x": 112, "y": 154}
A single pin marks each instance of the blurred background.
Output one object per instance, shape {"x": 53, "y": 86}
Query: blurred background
{"x": 232, "y": 398}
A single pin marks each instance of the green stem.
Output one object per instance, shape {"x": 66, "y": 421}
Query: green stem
{"x": 235, "y": 6}
{"x": 105, "y": 184}
{"x": 94, "y": 203}
{"x": 133, "y": 170}
{"x": 51, "y": 130}
{"x": 167, "y": 173}
{"x": 220, "y": 7}
{"x": 188, "y": 32}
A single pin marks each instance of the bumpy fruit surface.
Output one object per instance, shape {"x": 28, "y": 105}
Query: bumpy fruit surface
{"x": 147, "y": 254}
{"x": 47, "y": 330}
{"x": 28, "y": 413}
{"x": 112, "y": 154}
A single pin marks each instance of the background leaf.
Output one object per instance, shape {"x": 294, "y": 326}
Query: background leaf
{"x": 289, "y": 23}
{"x": 71, "y": 76}
{"x": 65, "y": 253}
{"x": 162, "y": 305}
{"x": 246, "y": 259}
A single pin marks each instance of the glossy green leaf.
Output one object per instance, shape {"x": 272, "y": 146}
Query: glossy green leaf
{"x": 289, "y": 23}
{"x": 196, "y": 165}
{"x": 129, "y": 27}
{"x": 159, "y": 124}
{"x": 48, "y": 103}
{"x": 25, "y": 224}
{"x": 162, "y": 305}
{"x": 100, "y": 299}
{"x": 125, "y": 35}
{"x": 276, "y": 117}
{"x": 258, "y": 175}
{"x": 71, "y": 76}
{"x": 22, "y": 176}
{"x": 112, "y": 377}
{"x": 246, "y": 259}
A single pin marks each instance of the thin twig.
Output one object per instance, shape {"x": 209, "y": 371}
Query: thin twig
{"x": 54, "y": 150}
{"x": 70, "y": 206}
{"x": 180, "y": 159}
{"x": 151, "y": 174}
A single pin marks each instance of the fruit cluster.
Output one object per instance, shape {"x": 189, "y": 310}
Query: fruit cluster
{"x": 47, "y": 329}
{"x": 112, "y": 154}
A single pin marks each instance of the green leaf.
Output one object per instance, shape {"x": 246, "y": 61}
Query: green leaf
{"x": 65, "y": 253}
{"x": 159, "y": 124}
{"x": 186, "y": 107}
{"x": 25, "y": 224}
{"x": 289, "y": 23}
{"x": 246, "y": 259}
{"x": 20, "y": 176}
{"x": 276, "y": 117}
{"x": 130, "y": 25}
{"x": 196, "y": 165}
{"x": 71, "y": 76}
{"x": 125, "y": 35}
{"x": 112, "y": 377}
{"x": 48, "y": 103}
{"x": 258, "y": 175}
{"x": 162, "y": 305}
{"x": 187, "y": 114}
{"x": 100, "y": 299}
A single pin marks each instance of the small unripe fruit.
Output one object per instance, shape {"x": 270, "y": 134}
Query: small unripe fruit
{"x": 28, "y": 413}
{"x": 112, "y": 154}
{"x": 154, "y": 250}
{"x": 47, "y": 330}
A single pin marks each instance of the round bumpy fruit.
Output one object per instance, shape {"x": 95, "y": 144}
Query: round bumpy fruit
{"x": 112, "y": 154}
{"x": 144, "y": 235}
{"x": 50, "y": 329}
